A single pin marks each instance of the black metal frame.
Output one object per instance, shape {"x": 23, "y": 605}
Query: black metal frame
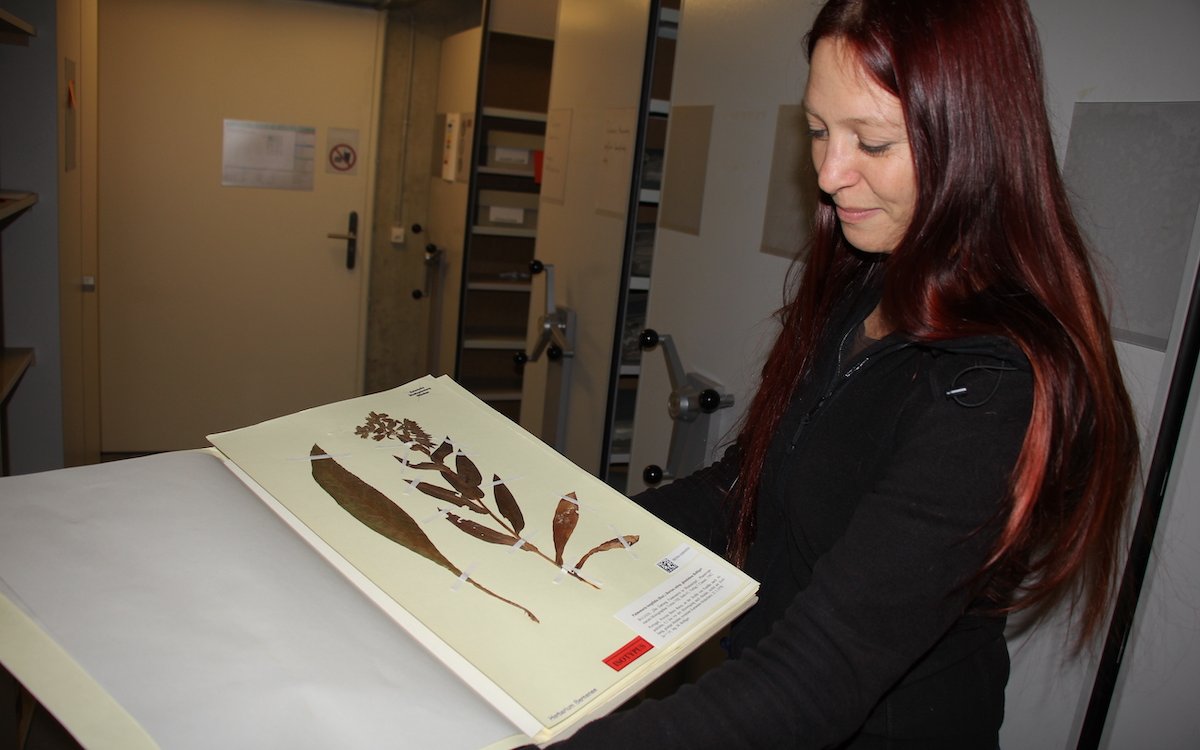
{"x": 1142, "y": 542}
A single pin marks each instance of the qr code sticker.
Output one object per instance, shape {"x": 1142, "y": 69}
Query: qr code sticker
{"x": 668, "y": 565}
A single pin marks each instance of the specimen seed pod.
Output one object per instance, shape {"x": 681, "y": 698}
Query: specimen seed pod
{"x": 566, "y": 516}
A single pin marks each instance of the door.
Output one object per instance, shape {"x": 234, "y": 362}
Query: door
{"x": 222, "y": 300}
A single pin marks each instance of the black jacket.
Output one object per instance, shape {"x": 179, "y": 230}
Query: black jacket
{"x": 881, "y": 496}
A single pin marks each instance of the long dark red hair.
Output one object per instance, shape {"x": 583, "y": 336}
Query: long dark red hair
{"x": 995, "y": 250}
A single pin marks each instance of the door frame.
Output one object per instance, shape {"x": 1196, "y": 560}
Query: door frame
{"x": 78, "y": 39}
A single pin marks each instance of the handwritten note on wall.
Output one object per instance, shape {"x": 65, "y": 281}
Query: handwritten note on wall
{"x": 616, "y": 162}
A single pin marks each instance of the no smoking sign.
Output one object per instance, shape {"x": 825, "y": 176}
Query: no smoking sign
{"x": 343, "y": 151}
{"x": 342, "y": 157}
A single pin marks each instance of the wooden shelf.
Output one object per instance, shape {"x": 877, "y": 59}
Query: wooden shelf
{"x": 14, "y": 30}
{"x": 13, "y": 364}
{"x": 526, "y": 173}
{"x": 13, "y": 203}
{"x": 514, "y": 91}
{"x": 504, "y": 231}
{"x": 493, "y": 342}
{"x": 514, "y": 114}
{"x": 522, "y": 287}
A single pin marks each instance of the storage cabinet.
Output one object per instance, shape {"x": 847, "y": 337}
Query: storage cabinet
{"x": 503, "y": 209}
{"x": 13, "y": 361}
{"x": 635, "y": 289}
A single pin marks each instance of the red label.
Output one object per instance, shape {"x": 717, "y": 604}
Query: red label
{"x": 628, "y": 654}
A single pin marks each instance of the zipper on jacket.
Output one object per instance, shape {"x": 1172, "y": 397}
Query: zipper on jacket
{"x": 838, "y": 381}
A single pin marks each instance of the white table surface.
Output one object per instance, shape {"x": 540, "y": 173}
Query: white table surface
{"x": 173, "y": 589}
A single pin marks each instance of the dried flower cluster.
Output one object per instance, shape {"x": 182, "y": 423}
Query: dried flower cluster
{"x": 381, "y": 426}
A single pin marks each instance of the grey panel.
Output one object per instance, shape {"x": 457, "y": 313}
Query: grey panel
{"x": 792, "y": 192}
{"x": 1134, "y": 173}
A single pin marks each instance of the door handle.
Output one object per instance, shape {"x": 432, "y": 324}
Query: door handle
{"x": 351, "y": 238}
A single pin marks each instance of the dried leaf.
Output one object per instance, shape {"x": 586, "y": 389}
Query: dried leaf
{"x": 374, "y": 509}
{"x": 507, "y": 504}
{"x": 467, "y": 490}
{"x": 467, "y": 470}
{"x": 479, "y": 531}
{"x": 630, "y": 540}
{"x": 450, "y": 496}
{"x": 443, "y": 450}
{"x": 381, "y": 515}
{"x": 566, "y": 515}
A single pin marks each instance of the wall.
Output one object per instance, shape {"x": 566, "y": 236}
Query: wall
{"x": 29, "y": 161}
{"x": 396, "y": 322}
{"x": 1096, "y": 52}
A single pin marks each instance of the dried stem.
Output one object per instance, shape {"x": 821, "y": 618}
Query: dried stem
{"x": 486, "y": 590}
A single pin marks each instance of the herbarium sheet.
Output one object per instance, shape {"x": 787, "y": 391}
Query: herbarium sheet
{"x": 556, "y": 588}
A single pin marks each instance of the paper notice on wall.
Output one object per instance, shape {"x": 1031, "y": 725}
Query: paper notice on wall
{"x": 267, "y": 155}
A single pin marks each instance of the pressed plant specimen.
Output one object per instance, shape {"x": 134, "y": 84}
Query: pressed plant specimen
{"x": 505, "y": 524}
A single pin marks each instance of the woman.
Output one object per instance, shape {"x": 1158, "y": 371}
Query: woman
{"x": 941, "y": 435}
